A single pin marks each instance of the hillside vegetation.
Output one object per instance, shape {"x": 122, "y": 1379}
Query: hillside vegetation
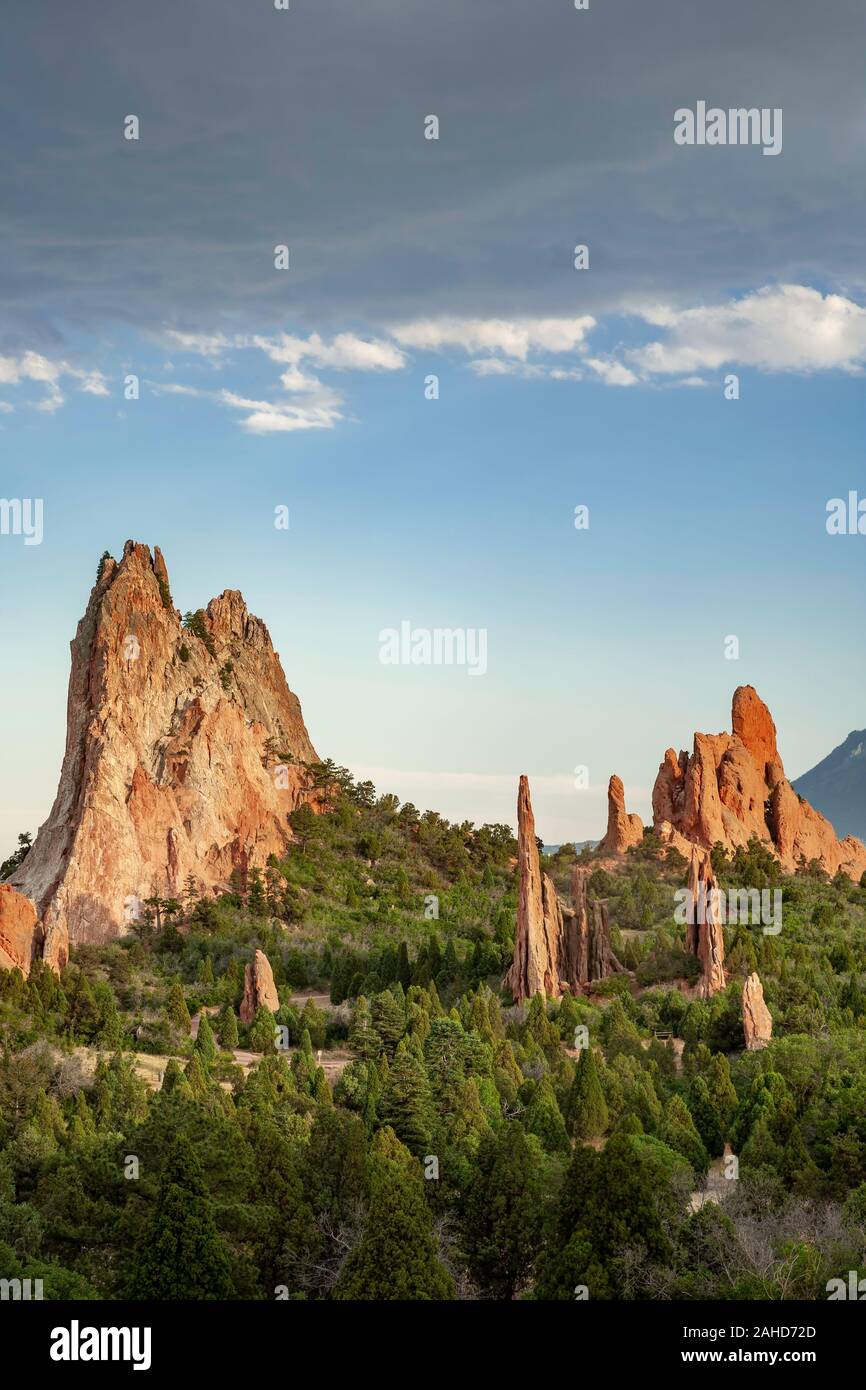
{"x": 419, "y": 1136}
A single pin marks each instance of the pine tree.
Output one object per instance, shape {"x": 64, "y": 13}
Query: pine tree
{"x": 111, "y": 1031}
{"x": 228, "y": 1029}
{"x": 204, "y": 974}
{"x": 679, "y": 1133}
{"x": 706, "y": 1117}
{"x": 502, "y": 1213}
{"x": 544, "y": 1119}
{"x": 83, "y": 1126}
{"x": 406, "y": 1105}
{"x": 173, "y": 1076}
{"x": 195, "y": 1076}
{"x": 761, "y": 1150}
{"x": 586, "y": 1110}
{"x": 538, "y": 1025}
{"x": 396, "y": 1258}
{"x": 388, "y": 1020}
{"x": 83, "y": 1015}
{"x": 315, "y": 1021}
{"x": 450, "y": 968}
{"x": 373, "y": 1097}
{"x": 204, "y": 1044}
{"x": 181, "y": 1255}
{"x": 190, "y": 894}
{"x": 609, "y": 1202}
{"x": 257, "y": 902}
{"x": 404, "y": 969}
{"x": 722, "y": 1093}
{"x": 364, "y": 1040}
{"x": 263, "y": 1031}
{"x": 178, "y": 1013}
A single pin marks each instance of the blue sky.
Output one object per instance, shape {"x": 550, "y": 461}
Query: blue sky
{"x": 707, "y": 518}
{"x": 558, "y": 387}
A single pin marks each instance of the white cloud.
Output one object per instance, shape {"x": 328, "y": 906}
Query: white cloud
{"x": 512, "y": 337}
{"x": 203, "y": 344}
{"x": 95, "y": 385}
{"x": 314, "y": 405}
{"x": 32, "y": 366}
{"x": 611, "y": 372}
{"x": 273, "y": 417}
{"x": 345, "y": 352}
{"x": 319, "y": 409}
{"x": 501, "y": 366}
{"x": 781, "y": 328}
{"x": 174, "y": 388}
{"x": 52, "y": 401}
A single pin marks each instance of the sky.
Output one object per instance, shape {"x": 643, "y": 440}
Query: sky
{"x": 309, "y": 388}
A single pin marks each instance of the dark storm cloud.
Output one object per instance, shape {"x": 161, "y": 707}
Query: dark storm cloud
{"x": 306, "y": 127}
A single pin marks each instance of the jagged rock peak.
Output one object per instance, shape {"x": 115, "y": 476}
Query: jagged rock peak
{"x": 557, "y": 947}
{"x": 623, "y": 830}
{"x": 732, "y": 787}
{"x": 185, "y": 753}
{"x": 535, "y": 967}
{"x": 752, "y": 723}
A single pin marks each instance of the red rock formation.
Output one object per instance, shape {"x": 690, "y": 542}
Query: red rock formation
{"x": 576, "y": 939}
{"x": 733, "y": 787}
{"x": 752, "y": 725}
{"x": 591, "y": 956}
{"x": 172, "y": 752}
{"x": 259, "y": 988}
{"x": 623, "y": 830}
{"x": 55, "y": 946}
{"x": 705, "y": 936}
{"x": 19, "y": 931}
{"x": 23, "y": 940}
{"x": 535, "y": 968}
{"x": 557, "y": 947}
{"x": 757, "y": 1020}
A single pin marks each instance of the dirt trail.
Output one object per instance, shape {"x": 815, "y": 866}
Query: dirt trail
{"x": 150, "y": 1066}
{"x": 718, "y": 1184}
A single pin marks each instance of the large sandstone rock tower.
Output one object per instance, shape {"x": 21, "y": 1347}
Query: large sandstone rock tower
{"x": 705, "y": 936}
{"x": 557, "y": 946}
{"x": 185, "y": 753}
{"x": 623, "y": 830}
{"x": 535, "y": 968}
{"x": 733, "y": 786}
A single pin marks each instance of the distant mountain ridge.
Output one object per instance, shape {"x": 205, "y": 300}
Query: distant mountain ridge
{"x": 837, "y": 786}
{"x": 578, "y": 845}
